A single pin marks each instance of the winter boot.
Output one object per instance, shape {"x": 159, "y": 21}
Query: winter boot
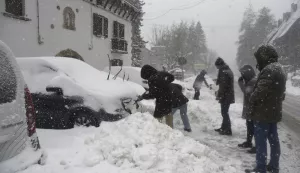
{"x": 226, "y": 132}
{"x": 271, "y": 169}
{"x": 245, "y": 145}
{"x": 187, "y": 130}
{"x": 252, "y": 150}
{"x": 219, "y": 129}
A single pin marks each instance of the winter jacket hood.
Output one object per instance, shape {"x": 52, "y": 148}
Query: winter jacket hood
{"x": 247, "y": 72}
{"x": 219, "y": 62}
{"x": 147, "y": 71}
{"x": 265, "y": 55}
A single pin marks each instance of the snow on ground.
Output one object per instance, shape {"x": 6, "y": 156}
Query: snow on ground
{"x": 139, "y": 143}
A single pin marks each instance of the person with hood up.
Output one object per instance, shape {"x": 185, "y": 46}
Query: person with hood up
{"x": 198, "y": 82}
{"x": 225, "y": 94}
{"x": 179, "y": 102}
{"x": 246, "y": 83}
{"x": 159, "y": 89}
{"x": 265, "y": 108}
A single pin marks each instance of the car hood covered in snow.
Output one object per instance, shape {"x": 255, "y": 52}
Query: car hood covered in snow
{"x": 77, "y": 78}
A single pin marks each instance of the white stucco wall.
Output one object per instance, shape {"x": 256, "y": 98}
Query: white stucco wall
{"x": 21, "y": 36}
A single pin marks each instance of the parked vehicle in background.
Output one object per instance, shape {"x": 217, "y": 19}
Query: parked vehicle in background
{"x": 19, "y": 143}
{"x": 178, "y": 73}
{"x": 68, "y": 92}
{"x": 296, "y": 79}
{"x": 132, "y": 74}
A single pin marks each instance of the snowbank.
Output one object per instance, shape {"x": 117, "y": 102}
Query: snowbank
{"x": 135, "y": 144}
{"x": 77, "y": 78}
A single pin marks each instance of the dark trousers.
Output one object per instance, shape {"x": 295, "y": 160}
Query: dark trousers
{"x": 262, "y": 132}
{"x": 226, "y": 124}
{"x": 250, "y": 130}
{"x": 197, "y": 94}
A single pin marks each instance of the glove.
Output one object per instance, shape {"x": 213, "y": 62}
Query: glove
{"x": 139, "y": 98}
{"x": 210, "y": 87}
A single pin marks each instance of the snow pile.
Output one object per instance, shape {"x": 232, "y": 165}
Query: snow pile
{"x": 138, "y": 143}
{"x": 77, "y": 78}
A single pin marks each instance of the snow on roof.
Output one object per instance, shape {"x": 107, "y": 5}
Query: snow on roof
{"x": 285, "y": 26}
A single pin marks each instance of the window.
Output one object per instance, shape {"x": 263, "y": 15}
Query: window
{"x": 15, "y": 7}
{"x": 119, "y": 44}
{"x": 119, "y": 30}
{"x": 8, "y": 84}
{"x": 116, "y": 62}
{"x": 100, "y": 26}
{"x": 69, "y": 19}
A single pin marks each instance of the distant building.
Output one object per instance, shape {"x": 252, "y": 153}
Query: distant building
{"x": 88, "y": 30}
{"x": 286, "y": 38}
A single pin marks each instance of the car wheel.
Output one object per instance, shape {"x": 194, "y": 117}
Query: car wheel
{"x": 84, "y": 119}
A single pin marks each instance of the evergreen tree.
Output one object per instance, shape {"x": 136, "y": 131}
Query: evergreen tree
{"x": 201, "y": 40}
{"x": 137, "y": 40}
{"x": 246, "y": 43}
{"x": 264, "y": 25}
{"x": 254, "y": 29}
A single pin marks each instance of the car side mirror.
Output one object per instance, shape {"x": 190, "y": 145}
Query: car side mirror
{"x": 57, "y": 90}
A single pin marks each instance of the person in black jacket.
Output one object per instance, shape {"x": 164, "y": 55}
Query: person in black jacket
{"x": 179, "y": 102}
{"x": 265, "y": 108}
{"x": 225, "y": 94}
{"x": 246, "y": 83}
{"x": 198, "y": 82}
{"x": 159, "y": 89}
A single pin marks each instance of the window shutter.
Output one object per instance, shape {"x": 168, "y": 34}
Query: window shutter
{"x": 95, "y": 24}
{"x": 122, "y": 31}
{"x": 115, "y": 30}
{"x": 105, "y": 27}
{"x": 100, "y": 25}
{"x": 14, "y": 7}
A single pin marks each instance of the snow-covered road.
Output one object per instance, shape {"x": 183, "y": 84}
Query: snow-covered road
{"x": 140, "y": 144}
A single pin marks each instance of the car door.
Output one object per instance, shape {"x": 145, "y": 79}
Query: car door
{"x": 12, "y": 103}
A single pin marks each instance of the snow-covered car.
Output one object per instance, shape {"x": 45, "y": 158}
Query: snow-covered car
{"x": 132, "y": 74}
{"x": 296, "y": 79}
{"x": 19, "y": 144}
{"x": 178, "y": 73}
{"x": 68, "y": 91}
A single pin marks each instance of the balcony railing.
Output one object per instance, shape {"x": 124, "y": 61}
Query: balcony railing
{"x": 119, "y": 45}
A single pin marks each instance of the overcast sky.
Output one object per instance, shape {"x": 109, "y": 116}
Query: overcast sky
{"x": 220, "y": 18}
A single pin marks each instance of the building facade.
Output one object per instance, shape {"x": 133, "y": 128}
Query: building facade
{"x": 286, "y": 38}
{"x": 90, "y": 30}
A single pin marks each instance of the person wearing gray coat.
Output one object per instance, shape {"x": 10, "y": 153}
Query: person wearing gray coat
{"x": 247, "y": 82}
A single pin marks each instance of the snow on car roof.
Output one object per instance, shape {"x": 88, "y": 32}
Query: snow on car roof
{"x": 77, "y": 78}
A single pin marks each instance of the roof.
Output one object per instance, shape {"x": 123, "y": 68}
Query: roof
{"x": 132, "y": 3}
{"x": 284, "y": 27}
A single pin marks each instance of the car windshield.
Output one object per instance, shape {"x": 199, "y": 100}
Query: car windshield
{"x": 144, "y": 86}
